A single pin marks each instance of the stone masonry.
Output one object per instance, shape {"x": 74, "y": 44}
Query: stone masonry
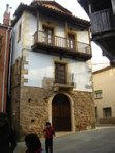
{"x": 30, "y": 105}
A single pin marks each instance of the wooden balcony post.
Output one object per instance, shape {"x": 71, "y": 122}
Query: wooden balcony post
{"x": 66, "y": 34}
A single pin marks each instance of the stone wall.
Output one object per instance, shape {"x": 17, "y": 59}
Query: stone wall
{"x": 83, "y": 110}
{"x": 34, "y": 109}
{"x": 30, "y": 105}
{"x": 15, "y": 95}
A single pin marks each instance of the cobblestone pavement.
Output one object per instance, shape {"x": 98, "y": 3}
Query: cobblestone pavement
{"x": 100, "y": 140}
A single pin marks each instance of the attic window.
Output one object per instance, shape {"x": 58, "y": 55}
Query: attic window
{"x": 20, "y": 32}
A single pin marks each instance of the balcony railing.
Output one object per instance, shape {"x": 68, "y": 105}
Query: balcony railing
{"x": 59, "y": 42}
{"x": 67, "y": 85}
{"x": 101, "y": 21}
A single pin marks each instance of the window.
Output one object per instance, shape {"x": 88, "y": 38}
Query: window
{"x": 60, "y": 73}
{"x": 71, "y": 41}
{"x": 107, "y": 112}
{"x": 48, "y": 35}
{"x": 98, "y": 94}
{"x": 1, "y": 41}
{"x": 20, "y": 32}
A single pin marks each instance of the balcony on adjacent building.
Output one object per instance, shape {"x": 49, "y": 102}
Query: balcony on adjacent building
{"x": 102, "y": 21}
{"x": 60, "y": 45}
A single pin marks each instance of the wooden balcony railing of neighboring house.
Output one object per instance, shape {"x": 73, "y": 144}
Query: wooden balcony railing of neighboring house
{"x": 101, "y": 21}
{"x": 61, "y": 45}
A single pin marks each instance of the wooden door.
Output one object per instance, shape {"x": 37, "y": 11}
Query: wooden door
{"x": 61, "y": 114}
{"x": 60, "y": 73}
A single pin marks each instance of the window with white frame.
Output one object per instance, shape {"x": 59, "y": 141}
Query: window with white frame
{"x": 98, "y": 94}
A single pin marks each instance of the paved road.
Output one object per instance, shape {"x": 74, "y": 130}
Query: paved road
{"x": 101, "y": 140}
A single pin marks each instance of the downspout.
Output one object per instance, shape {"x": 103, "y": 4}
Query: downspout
{"x": 10, "y": 63}
{"x": 4, "y": 72}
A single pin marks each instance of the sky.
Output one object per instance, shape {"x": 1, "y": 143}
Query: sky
{"x": 98, "y": 61}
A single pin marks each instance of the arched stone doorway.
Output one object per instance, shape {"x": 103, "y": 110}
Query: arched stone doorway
{"x": 61, "y": 113}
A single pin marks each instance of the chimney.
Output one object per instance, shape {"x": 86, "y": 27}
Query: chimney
{"x": 6, "y": 16}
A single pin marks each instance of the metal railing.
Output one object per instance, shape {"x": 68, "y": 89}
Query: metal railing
{"x": 56, "y": 41}
{"x": 68, "y": 81}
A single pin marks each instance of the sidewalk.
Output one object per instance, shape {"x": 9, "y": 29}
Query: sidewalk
{"x": 66, "y": 141}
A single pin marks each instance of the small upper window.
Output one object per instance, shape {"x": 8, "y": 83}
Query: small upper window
{"x": 20, "y": 32}
{"x": 98, "y": 94}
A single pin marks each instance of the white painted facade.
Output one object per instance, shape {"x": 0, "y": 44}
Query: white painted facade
{"x": 43, "y": 65}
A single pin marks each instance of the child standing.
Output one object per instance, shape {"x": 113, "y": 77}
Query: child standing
{"x": 48, "y": 134}
{"x": 33, "y": 143}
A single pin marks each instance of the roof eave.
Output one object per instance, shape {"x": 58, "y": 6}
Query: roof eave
{"x": 70, "y": 18}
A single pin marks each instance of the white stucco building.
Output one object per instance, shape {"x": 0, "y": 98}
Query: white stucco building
{"x": 51, "y": 72}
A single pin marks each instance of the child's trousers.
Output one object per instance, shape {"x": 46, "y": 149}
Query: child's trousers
{"x": 49, "y": 145}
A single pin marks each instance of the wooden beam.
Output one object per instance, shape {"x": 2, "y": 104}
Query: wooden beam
{"x": 113, "y": 5}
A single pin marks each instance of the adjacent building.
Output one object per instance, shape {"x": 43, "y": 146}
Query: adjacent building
{"x": 104, "y": 95}
{"x": 102, "y": 16}
{"x": 5, "y": 30}
{"x": 51, "y": 71}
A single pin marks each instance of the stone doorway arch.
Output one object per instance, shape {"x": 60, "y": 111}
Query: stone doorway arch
{"x": 61, "y": 113}
{"x": 50, "y": 100}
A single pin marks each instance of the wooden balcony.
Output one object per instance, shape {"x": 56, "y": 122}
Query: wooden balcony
{"x": 61, "y": 46}
{"x": 102, "y": 21}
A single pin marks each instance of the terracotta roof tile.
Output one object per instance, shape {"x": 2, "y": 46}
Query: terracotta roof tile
{"x": 45, "y": 6}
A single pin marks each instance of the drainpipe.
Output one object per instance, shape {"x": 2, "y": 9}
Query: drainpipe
{"x": 4, "y": 69}
{"x": 10, "y": 63}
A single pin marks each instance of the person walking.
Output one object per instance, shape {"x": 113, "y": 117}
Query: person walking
{"x": 33, "y": 143}
{"x": 49, "y": 133}
{"x": 7, "y": 140}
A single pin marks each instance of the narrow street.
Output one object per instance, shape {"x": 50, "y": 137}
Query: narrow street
{"x": 101, "y": 140}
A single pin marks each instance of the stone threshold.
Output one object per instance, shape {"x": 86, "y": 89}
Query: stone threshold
{"x": 63, "y": 133}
